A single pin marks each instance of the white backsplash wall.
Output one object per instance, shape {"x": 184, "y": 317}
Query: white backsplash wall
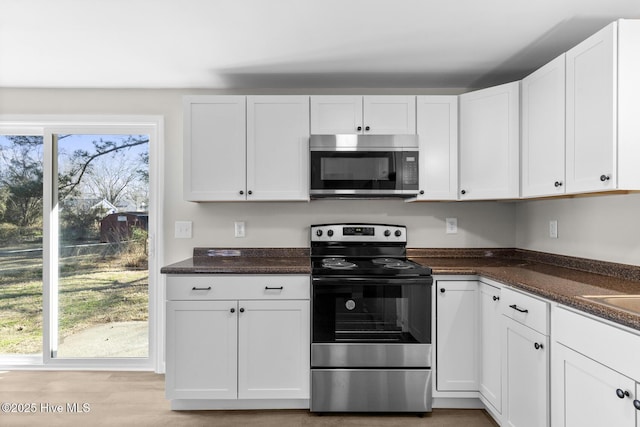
{"x": 598, "y": 227}
{"x": 480, "y": 224}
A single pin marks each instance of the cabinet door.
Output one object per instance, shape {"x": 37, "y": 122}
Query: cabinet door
{"x": 201, "y": 350}
{"x": 525, "y": 376}
{"x": 585, "y": 392}
{"x": 278, "y": 148}
{"x": 389, "y": 115}
{"x": 489, "y": 143}
{"x": 273, "y": 349}
{"x": 214, "y": 148}
{"x": 490, "y": 344}
{"x": 543, "y": 133}
{"x": 437, "y": 128}
{"x": 332, "y": 115}
{"x": 591, "y": 113}
{"x": 457, "y": 335}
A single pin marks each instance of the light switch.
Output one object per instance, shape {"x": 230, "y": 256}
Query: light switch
{"x": 183, "y": 229}
{"x": 239, "y": 228}
{"x": 452, "y": 225}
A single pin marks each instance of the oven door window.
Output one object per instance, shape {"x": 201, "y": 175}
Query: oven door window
{"x": 335, "y": 170}
{"x": 372, "y": 313}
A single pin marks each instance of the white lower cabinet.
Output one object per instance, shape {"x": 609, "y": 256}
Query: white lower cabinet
{"x": 254, "y": 348}
{"x": 595, "y": 372}
{"x": 490, "y": 347}
{"x": 525, "y": 364}
{"x": 273, "y": 350}
{"x": 457, "y": 335}
{"x": 589, "y": 392}
{"x": 201, "y": 350}
{"x": 526, "y": 376}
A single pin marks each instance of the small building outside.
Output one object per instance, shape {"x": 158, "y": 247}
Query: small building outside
{"x": 118, "y": 227}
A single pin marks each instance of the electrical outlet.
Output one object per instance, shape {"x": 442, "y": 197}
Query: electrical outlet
{"x": 451, "y": 225}
{"x": 553, "y": 229}
{"x": 183, "y": 229}
{"x": 239, "y": 228}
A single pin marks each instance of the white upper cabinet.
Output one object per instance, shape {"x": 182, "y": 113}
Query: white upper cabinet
{"x": 602, "y": 110}
{"x": 278, "y": 148}
{"x": 543, "y": 130}
{"x": 489, "y": 143}
{"x": 336, "y": 115}
{"x": 214, "y": 147}
{"x": 372, "y": 115}
{"x": 437, "y": 128}
{"x": 240, "y": 148}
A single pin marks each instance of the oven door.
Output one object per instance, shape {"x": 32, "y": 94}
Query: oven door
{"x": 363, "y": 172}
{"x": 358, "y": 322}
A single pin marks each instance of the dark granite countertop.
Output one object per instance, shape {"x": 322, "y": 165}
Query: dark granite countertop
{"x": 243, "y": 261}
{"x": 558, "y": 278}
{"x": 554, "y": 282}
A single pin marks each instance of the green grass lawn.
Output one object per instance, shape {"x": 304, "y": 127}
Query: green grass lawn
{"x": 92, "y": 290}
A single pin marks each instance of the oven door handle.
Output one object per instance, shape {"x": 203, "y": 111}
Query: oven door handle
{"x": 369, "y": 281}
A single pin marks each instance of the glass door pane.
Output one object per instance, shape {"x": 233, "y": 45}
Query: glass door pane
{"x": 21, "y": 163}
{"x": 102, "y": 228}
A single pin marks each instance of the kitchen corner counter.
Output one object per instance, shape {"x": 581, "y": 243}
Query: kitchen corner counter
{"x": 243, "y": 261}
{"x": 559, "y": 283}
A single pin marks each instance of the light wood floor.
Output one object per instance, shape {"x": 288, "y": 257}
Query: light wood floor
{"x": 137, "y": 399}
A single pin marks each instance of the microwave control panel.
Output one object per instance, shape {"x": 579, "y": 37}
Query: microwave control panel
{"x": 410, "y": 168}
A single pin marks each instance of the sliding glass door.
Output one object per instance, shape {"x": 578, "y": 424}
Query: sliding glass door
{"x": 77, "y": 226}
{"x": 101, "y": 198}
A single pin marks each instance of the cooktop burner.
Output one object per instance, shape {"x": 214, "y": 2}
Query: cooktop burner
{"x": 367, "y": 267}
{"x": 362, "y": 250}
{"x": 338, "y": 263}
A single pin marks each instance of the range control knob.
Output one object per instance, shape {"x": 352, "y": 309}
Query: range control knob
{"x": 319, "y": 233}
{"x": 330, "y": 233}
{"x": 398, "y": 233}
{"x": 387, "y": 233}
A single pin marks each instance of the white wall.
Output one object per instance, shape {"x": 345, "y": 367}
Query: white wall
{"x": 598, "y": 227}
{"x": 481, "y": 224}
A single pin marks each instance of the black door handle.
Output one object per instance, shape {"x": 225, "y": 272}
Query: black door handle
{"x": 521, "y": 310}
{"x": 201, "y": 289}
{"x": 496, "y": 298}
{"x": 279, "y": 288}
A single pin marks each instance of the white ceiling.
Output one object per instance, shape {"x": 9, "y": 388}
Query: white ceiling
{"x": 289, "y": 43}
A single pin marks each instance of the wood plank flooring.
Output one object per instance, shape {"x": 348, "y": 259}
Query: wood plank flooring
{"x": 137, "y": 399}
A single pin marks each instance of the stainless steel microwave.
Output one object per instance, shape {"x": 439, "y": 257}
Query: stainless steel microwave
{"x": 368, "y": 166}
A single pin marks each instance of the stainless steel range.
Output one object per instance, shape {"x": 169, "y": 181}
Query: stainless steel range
{"x": 371, "y": 321}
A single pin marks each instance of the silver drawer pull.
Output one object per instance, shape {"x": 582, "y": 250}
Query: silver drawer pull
{"x": 268, "y": 288}
{"x": 201, "y": 289}
{"x": 521, "y": 310}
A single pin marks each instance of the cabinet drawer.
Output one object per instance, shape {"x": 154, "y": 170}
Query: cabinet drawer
{"x": 525, "y": 309}
{"x": 235, "y": 287}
